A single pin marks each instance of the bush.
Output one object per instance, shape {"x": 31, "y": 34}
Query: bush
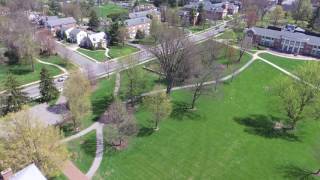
{"x": 13, "y": 57}
{"x": 140, "y": 34}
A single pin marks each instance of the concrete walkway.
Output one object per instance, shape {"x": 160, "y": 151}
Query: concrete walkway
{"x": 99, "y": 152}
{"x": 117, "y": 85}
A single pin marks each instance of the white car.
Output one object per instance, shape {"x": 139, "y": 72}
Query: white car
{"x": 62, "y": 78}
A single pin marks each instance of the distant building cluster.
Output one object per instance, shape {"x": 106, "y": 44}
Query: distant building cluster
{"x": 140, "y": 19}
{"x": 214, "y": 10}
{"x": 289, "y": 39}
{"x": 67, "y": 28}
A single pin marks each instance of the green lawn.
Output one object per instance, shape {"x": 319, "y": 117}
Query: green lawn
{"x": 286, "y": 63}
{"x": 114, "y": 52}
{"x": 150, "y": 78}
{"x": 119, "y": 50}
{"x": 228, "y": 34}
{"x": 83, "y": 151}
{"x": 100, "y": 99}
{"x": 199, "y": 28}
{"x": 227, "y": 137}
{"x": 24, "y": 74}
{"x": 108, "y": 9}
{"x": 98, "y": 55}
{"x": 59, "y": 61}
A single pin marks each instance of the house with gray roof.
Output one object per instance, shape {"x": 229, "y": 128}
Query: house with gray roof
{"x": 55, "y": 24}
{"x": 133, "y": 25}
{"x": 284, "y": 40}
{"x": 77, "y": 35}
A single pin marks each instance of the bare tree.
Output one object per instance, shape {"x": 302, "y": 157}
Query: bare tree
{"x": 206, "y": 68}
{"x": 46, "y": 42}
{"x": 173, "y": 52}
{"x": 72, "y": 9}
{"x": 119, "y": 123}
{"x": 245, "y": 45}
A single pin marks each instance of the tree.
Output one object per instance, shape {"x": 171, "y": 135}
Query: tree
{"x": 72, "y": 10}
{"x": 205, "y": 69}
{"x": 173, "y": 52}
{"x": 159, "y": 105}
{"x": 296, "y": 95}
{"x": 277, "y": 15}
{"x": 15, "y": 98}
{"x": 77, "y": 91}
{"x": 119, "y": 123}
{"x": 28, "y": 140}
{"x": 314, "y": 21}
{"x": 231, "y": 55}
{"x": 155, "y": 29}
{"x": 94, "y": 21}
{"x": 136, "y": 81}
{"x": 245, "y": 45}
{"x": 302, "y": 10}
{"x": 140, "y": 34}
{"x": 251, "y": 17}
{"x": 54, "y": 7}
{"x": 46, "y": 42}
{"x": 114, "y": 33}
{"x": 172, "y": 3}
{"x": 201, "y": 16}
{"x": 122, "y": 35}
{"x": 47, "y": 88}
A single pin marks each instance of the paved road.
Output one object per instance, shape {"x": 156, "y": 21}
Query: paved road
{"x": 103, "y": 69}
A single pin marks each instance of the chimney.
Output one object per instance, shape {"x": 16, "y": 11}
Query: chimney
{"x": 6, "y": 174}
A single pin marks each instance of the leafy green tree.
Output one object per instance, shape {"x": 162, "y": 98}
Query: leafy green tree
{"x": 277, "y": 15}
{"x": 159, "y": 105}
{"x": 48, "y": 90}
{"x": 15, "y": 98}
{"x": 314, "y": 21}
{"x": 94, "y": 21}
{"x": 201, "y": 16}
{"x": 77, "y": 91}
{"x": 29, "y": 141}
{"x": 172, "y": 3}
{"x": 296, "y": 95}
{"x": 114, "y": 33}
{"x": 302, "y": 10}
{"x": 54, "y": 7}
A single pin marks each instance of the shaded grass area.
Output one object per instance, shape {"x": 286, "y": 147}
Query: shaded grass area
{"x": 24, "y": 73}
{"x": 286, "y": 63}
{"x": 100, "y": 99}
{"x": 83, "y": 151}
{"x": 225, "y": 138}
{"x": 119, "y": 50}
{"x": 98, "y": 55}
{"x": 108, "y": 9}
{"x": 151, "y": 79}
{"x": 55, "y": 59}
{"x": 199, "y": 28}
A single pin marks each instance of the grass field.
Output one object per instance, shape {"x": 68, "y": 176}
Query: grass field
{"x": 108, "y": 9}
{"x": 83, "y": 151}
{"x": 286, "y": 63}
{"x": 59, "y": 61}
{"x": 227, "y": 137}
{"x": 200, "y": 28}
{"x": 24, "y": 74}
{"x": 98, "y": 55}
{"x": 119, "y": 50}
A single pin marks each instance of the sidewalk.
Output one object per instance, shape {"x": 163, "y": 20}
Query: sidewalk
{"x": 72, "y": 172}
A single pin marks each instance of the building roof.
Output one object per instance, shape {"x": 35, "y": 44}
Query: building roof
{"x": 61, "y": 21}
{"x": 97, "y": 37}
{"x": 74, "y": 32}
{"x": 137, "y": 21}
{"x": 29, "y": 172}
{"x": 142, "y": 13}
{"x": 313, "y": 40}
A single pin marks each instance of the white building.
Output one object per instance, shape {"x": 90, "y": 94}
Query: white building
{"x": 30, "y": 172}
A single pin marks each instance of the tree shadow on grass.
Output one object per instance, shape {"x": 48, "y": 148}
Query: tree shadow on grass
{"x": 295, "y": 172}
{"x": 264, "y": 126}
{"x": 145, "y": 131}
{"x": 89, "y": 145}
{"x": 182, "y": 111}
{"x": 20, "y": 70}
{"x": 100, "y": 105}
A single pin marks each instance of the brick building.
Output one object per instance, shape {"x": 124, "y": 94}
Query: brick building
{"x": 133, "y": 25}
{"x": 284, "y": 40}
